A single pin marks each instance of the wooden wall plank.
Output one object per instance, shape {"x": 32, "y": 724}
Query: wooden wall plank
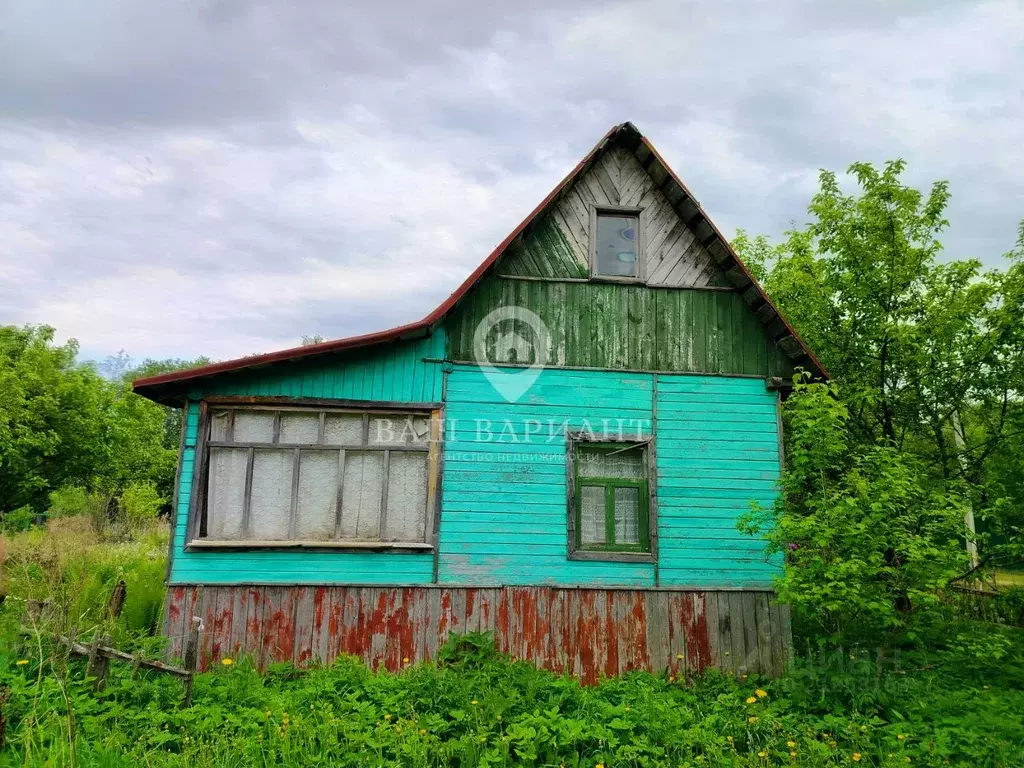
{"x": 302, "y": 649}
{"x": 588, "y": 633}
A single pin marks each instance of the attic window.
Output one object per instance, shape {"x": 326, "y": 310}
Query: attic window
{"x": 316, "y": 477}
{"x": 615, "y": 243}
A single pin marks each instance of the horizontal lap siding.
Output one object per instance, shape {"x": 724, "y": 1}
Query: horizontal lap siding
{"x": 389, "y": 373}
{"x": 504, "y": 514}
{"x": 395, "y": 373}
{"x": 717, "y": 448}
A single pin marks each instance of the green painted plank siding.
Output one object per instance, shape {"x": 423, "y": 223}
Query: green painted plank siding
{"x": 393, "y": 373}
{"x": 503, "y": 515}
{"x": 627, "y": 327}
{"x": 717, "y": 446}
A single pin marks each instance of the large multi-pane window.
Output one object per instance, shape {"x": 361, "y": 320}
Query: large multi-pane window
{"x": 610, "y": 503}
{"x": 275, "y": 474}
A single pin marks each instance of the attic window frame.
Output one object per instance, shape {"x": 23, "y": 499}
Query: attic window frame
{"x": 584, "y": 439}
{"x": 596, "y": 211}
{"x": 196, "y": 538}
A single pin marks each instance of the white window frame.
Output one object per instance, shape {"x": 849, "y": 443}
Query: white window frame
{"x": 195, "y": 538}
{"x": 597, "y": 211}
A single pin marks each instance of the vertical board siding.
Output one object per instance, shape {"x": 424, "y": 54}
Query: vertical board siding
{"x": 504, "y": 513}
{"x": 586, "y": 633}
{"x": 717, "y": 447}
{"x": 395, "y": 373}
{"x": 627, "y": 327}
{"x": 391, "y": 373}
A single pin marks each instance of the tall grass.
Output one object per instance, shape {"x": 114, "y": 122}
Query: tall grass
{"x": 70, "y": 569}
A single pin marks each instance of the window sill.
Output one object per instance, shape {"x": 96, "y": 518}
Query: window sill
{"x": 595, "y": 278}
{"x": 613, "y": 557}
{"x": 360, "y": 546}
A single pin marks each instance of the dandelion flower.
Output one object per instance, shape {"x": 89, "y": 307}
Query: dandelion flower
{"x": 627, "y": 708}
{"x": 863, "y": 729}
{"x": 387, "y": 716}
{"x": 499, "y": 717}
{"x": 901, "y": 736}
{"x": 405, "y": 660}
{"x": 762, "y": 753}
{"x": 21, "y": 662}
{"x": 227, "y": 662}
{"x": 680, "y": 656}
{"x": 792, "y": 754}
{"x": 761, "y": 693}
{"x": 791, "y": 744}
{"x": 473, "y": 702}
{"x": 751, "y": 719}
{"x": 671, "y": 678}
{"x": 856, "y": 757}
{"x": 751, "y": 700}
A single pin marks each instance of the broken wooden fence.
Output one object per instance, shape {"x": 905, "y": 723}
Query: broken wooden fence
{"x": 100, "y": 652}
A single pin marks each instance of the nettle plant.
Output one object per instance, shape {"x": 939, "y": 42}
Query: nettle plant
{"x": 869, "y": 544}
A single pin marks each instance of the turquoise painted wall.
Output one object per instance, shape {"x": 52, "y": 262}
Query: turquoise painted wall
{"x": 392, "y": 373}
{"x": 503, "y": 517}
{"x": 503, "y": 507}
{"x": 717, "y": 447}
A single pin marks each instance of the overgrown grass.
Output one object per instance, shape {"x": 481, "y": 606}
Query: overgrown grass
{"x": 68, "y": 565}
{"x": 956, "y": 704}
{"x": 482, "y": 709}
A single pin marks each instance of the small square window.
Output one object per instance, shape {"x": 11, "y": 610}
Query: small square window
{"x": 616, "y": 251}
{"x": 610, "y": 499}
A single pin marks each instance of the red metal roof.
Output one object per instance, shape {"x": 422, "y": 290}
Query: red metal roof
{"x": 627, "y": 133}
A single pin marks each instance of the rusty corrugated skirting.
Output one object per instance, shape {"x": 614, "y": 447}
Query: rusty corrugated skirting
{"x": 583, "y": 632}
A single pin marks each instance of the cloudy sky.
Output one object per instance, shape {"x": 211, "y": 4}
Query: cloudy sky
{"x": 220, "y": 177}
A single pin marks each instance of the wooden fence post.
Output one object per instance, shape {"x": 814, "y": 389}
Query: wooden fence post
{"x": 116, "y": 603}
{"x": 191, "y": 659}
{"x": 99, "y": 664}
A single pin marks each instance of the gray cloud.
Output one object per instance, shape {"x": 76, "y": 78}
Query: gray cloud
{"x": 222, "y": 178}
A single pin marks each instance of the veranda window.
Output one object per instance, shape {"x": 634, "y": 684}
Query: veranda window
{"x": 329, "y": 477}
{"x": 611, "y": 500}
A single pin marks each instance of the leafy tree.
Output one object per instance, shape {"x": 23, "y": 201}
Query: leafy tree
{"x": 52, "y": 426}
{"x": 62, "y": 424}
{"x": 868, "y": 543}
{"x": 929, "y": 354}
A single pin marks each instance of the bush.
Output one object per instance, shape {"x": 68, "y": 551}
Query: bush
{"x": 69, "y": 501}
{"x": 868, "y": 545}
{"x": 19, "y": 519}
{"x": 141, "y": 502}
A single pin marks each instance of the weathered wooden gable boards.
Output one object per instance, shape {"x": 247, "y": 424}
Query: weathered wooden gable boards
{"x": 558, "y": 244}
{"x": 392, "y": 373}
{"x": 587, "y": 633}
{"x": 504, "y": 514}
{"x": 717, "y": 450}
{"x": 626, "y": 327}
{"x": 388, "y": 373}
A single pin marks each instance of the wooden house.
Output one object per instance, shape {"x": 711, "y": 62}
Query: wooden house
{"x": 557, "y": 454}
